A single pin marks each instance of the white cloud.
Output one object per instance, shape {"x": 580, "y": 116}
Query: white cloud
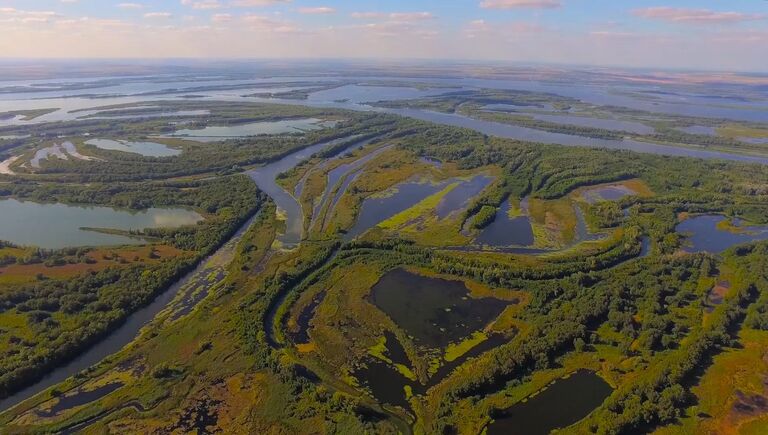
{"x": 203, "y": 4}
{"x": 395, "y": 16}
{"x": 695, "y": 16}
{"x": 257, "y": 3}
{"x": 130, "y": 6}
{"x": 158, "y": 15}
{"x": 513, "y": 4}
{"x": 317, "y": 10}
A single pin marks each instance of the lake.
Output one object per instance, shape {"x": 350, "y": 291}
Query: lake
{"x": 285, "y": 126}
{"x": 148, "y": 149}
{"x": 435, "y": 311}
{"x": 507, "y": 231}
{"x": 560, "y": 405}
{"x": 377, "y": 209}
{"x": 55, "y": 226}
{"x": 460, "y": 196}
{"x": 703, "y": 235}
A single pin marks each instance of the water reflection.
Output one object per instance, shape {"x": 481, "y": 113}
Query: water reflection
{"x": 149, "y": 149}
{"x": 434, "y": 311}
{"x": 380, "y": 208}
{"x": 55, "y": 226}
{"x": 506, "y": 230}
{"x": 560, "y": 405}
{"x": 706, "y": 233}
{"x": 219, "y": 133}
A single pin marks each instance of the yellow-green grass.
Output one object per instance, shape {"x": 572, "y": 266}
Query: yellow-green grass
{"x": 553, "y": 222}
{"x": 427, "y": 205}
{"x": 636, "y": 185}
{"x": 735, "y": 370}
{"x": 735, "y": 131}
{"x": 455, "y": 351}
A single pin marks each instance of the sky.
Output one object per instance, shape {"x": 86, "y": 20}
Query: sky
{"x": 712, "y": 35}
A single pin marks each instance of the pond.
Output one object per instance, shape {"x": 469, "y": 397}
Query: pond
{"x": 79, "y": 398}
{"x": 377, "y": 209}
{"x": 435, "y": 311}
{"x": 61, "y": 151}
{"x": 507, "y": 231}
{"x": 55, "y": 226}
{"x": 560, "y": 405}
{"x": 606, "y": 193}
{"x": 219, "y": 133}
{"x": 386, "y": 384}
{"x": 458, "y": 198}
{"x": 301, "y": 333}
{"x": 704, "y": 235}
{"x": 148, "y": 149}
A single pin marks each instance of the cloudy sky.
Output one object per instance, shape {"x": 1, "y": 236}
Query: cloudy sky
{"x": 719, "y": 34}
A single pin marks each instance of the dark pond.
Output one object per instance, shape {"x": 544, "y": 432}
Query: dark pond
{"x": 386, "y": 384}
{"x": 378, "y": 209}
{"x": 80, "y": 398}
{"x": 507, "y": 231}
{"x": 562, "y": 404}
{"x": 704, "y": 236}
{"x": 395, "y": 350}
{"x": 492, "y": 342}
{"x": 459, "y": 197}
{"x": 305, "y": 316}
{"x": 434, "y": 311}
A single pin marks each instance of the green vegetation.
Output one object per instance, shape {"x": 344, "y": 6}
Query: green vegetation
{"x": 666, "y": 126}
{"x": 26, "y": 115}
{"x": 484, "y": 217}
{"x": 648, "y": 324}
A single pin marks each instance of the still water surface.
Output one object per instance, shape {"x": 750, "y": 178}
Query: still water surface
{"x": 54, "y": 226}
